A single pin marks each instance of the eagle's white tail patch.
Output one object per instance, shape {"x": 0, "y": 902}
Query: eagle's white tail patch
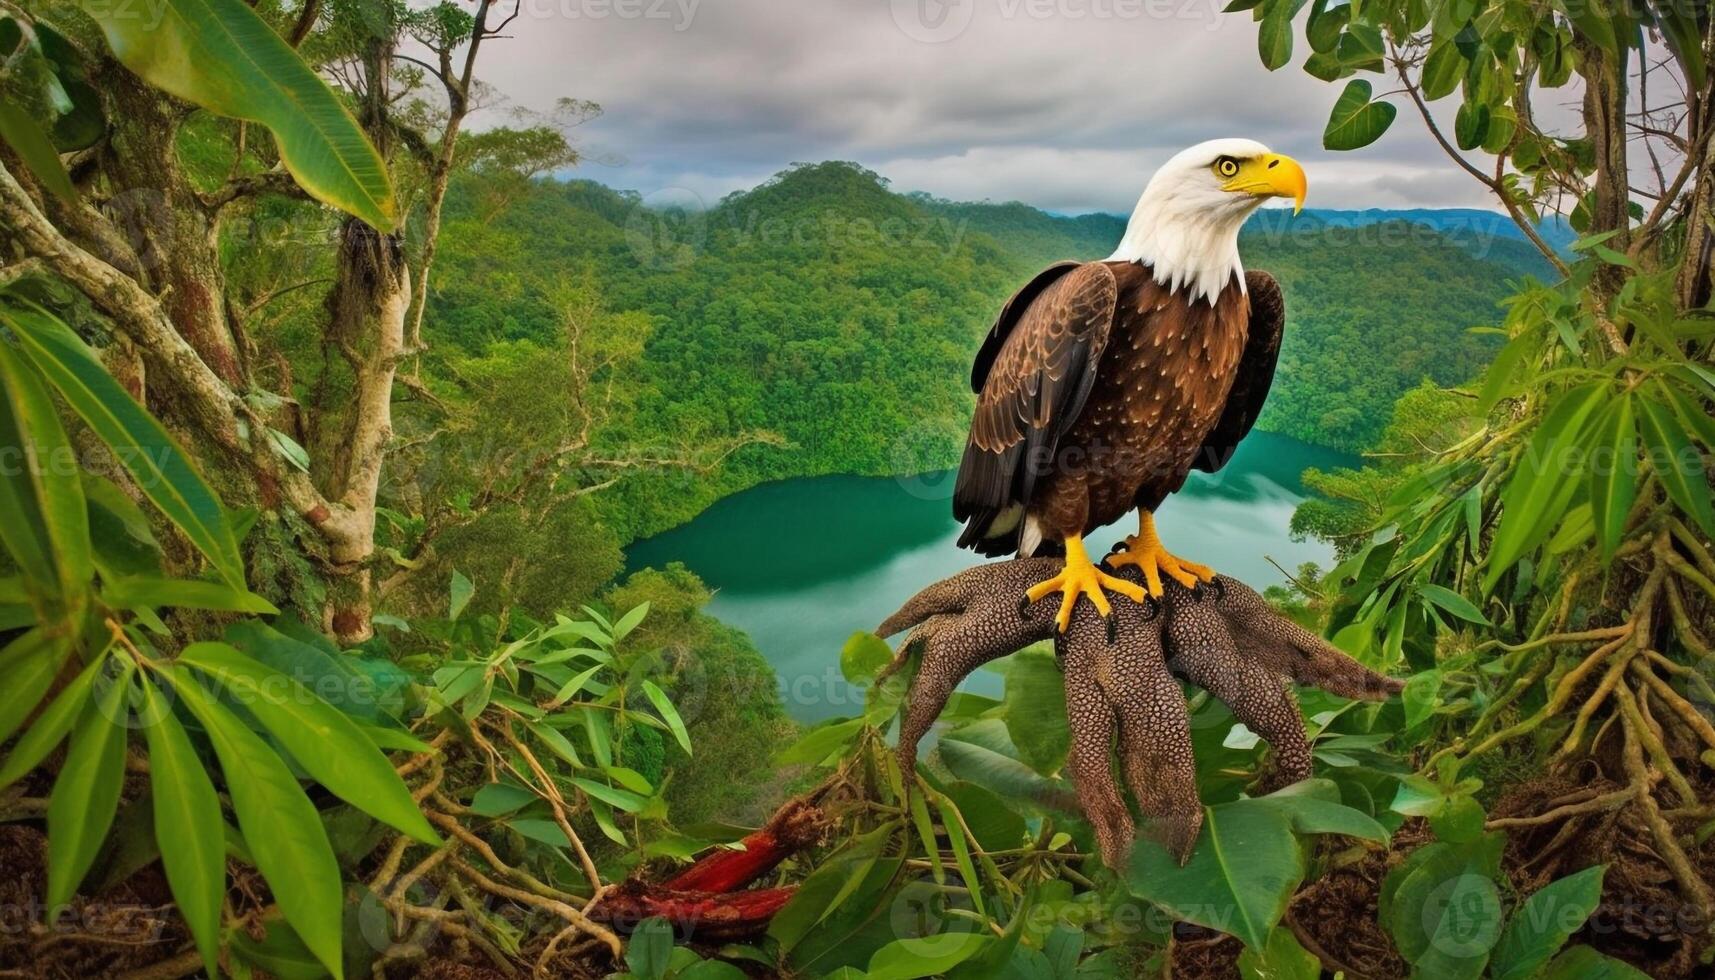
{"x": 1005, "y": 521}
{"x": 1031, "y": 538}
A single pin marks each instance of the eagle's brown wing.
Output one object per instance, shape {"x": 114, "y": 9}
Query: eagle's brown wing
{"x": 1032, "y": 377}
{"x": 1255, "y": 373}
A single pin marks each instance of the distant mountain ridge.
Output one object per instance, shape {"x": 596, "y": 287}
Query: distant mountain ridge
{"x": 826, "y": 307}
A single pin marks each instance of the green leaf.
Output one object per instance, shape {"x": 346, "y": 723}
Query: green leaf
{"x": 1314, "y": 807}
{"x": 630, "y": 621}
{"x": 187, "y": 825}
{"x": 86, "y": 794}
{"x": 1540, "y": 926}
{"x": 818, "y": 743}
{"x": 1420, "y": 698}
{"x": 152, "y": 591}
{"x": 1238, "y": 877}
{"x": 280, "y": 825}
{"x": 983, "y": 754}
{"x": 324, "y": 741}
{"x": 220, "y": 55}
{"x": 1470, "y": 125}
{"x": 158, "y": 466}
{"x": 1356, "y": 121}
{"x": 1613, "y": 473}
{"x": 1274, "y": 35}
{"x": 1454, "y": 603}
{"x": 669, "y": 714}
{"x": 1443, "y": 70}
{"x": 459, "y": 594}
{"x": 1034, "y": 710}
{"x": 863, "y": 656}
{"x": 569, "y": 689}
{"x": 27, "y": 139}
{"x": 1542, "y": 483}
{"x": 51, "y": 725}
{"x": 50, "y": 474}
{"x": 1322, "y": 28}
{"x": 1676, "y": 462}
{"x": 29, "y": 663}
{"x": 1584, "y": 963}
{"x": 1282, "y": 958}
{"x": 624, "y": 799}
{"x": 928, "y": 956}
{"x": 650, "y": 948}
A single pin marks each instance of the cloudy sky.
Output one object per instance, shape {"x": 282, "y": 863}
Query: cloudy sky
{"x": 1065, "y": 104}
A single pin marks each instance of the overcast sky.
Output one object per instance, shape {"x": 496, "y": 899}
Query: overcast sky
{"x": 1068, "y": 105}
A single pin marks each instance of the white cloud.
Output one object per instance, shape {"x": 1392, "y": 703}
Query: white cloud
{"x": 1064, "y": 104}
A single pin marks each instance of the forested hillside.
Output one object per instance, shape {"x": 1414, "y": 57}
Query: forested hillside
{"x": 826, "y": 308}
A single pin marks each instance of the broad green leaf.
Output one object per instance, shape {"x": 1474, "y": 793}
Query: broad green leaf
{"x": 51, "y": 725}
{"x": 1281, "y": 958}
{"x": 1322, "y": 27}
{"x": 27, "y": 139}
{"x": 155, "y": 592}
{"x": 324, "y": 741}
{"x": 1238, "y": 877}
{"x": 280, "y": 825}
{"x": 863, "y": 656}
{"x": 139, "y": 443}
{"x": 1420, "y": 698}
{"x": 1314, "y": 807}
{"x": 1471, "y": 125}
{"x": 1676, "y": 462}
{"x": 1035, "y": 710}
{"x": 1443, "y": 70}
{"x": 29, "y": 663}
{"x": 1356, "y": 121}
{"x": 220, "y": 55}
{"x": 928, "y": 956}
{"x": 982, "y": 753}
{"x": 1540, "y": 926}
{"x": 86, "y": 794}
{"x": 818, "y": 743}
{"x": 1584, "y": 963}
{"x": 1613, "y": 473}
{"x": 22, "y": 528}
{"x": 649, "y": 949}
{"x": 459, "y": 594}
{"x": 1274, "y": 35}
{"x": 51, "y": 471}
{"x": 1454, "y": 603}
{"x": 669, "y": 714}
{"x": 187, "y": 824}
{"x": 710, "y": 970}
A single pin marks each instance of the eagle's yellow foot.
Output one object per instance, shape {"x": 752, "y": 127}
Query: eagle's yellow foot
{"x": 1081, "y": 577}
{"x": 1144, "y": 549}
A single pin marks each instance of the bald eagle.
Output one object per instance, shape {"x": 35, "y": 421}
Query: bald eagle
{"x": 1102, "y": 385}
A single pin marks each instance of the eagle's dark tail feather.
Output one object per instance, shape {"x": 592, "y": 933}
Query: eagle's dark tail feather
{"x": 983, "y": 495}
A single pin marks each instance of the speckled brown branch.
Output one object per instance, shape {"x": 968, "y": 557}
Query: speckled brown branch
{"x": 1119, "y": 677}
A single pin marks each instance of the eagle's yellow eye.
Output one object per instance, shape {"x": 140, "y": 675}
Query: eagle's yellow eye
{"x": 1226, "y": 168}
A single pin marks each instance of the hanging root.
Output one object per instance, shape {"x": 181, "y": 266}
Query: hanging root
{"x": 1120, "y": 687}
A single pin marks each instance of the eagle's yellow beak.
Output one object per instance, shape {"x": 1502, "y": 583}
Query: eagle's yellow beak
{"x": 1271, "y": 175}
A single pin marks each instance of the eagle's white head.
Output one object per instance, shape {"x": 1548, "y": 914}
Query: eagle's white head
{"x": 1186, "y": 225}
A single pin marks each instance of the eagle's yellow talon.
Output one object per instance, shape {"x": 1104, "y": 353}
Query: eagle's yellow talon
{"x": 1081, "y": 577}
{"x": 1144, "y": 549}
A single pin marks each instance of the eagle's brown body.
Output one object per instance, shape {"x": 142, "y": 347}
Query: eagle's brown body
{"x": 1099, "y": 390}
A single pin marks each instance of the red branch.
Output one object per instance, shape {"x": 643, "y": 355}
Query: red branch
{"x": 704, "y": 901}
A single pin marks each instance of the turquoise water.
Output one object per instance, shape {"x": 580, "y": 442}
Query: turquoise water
{"x": 801, "y": 564}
